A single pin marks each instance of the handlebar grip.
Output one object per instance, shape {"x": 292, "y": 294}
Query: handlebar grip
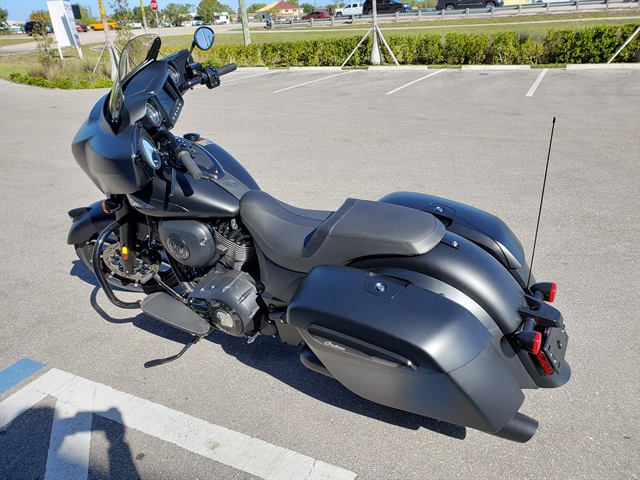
{"x": 226, "y": 69}
{"x": 185, "y": 157}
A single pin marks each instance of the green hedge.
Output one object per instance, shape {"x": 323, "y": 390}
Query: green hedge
{"x": 588, "y": 45}
{"x": 62, "y": 82}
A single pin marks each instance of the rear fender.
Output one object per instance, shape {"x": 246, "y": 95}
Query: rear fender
{"x": 478, "y": 226}
{"x": 88, "y": 223}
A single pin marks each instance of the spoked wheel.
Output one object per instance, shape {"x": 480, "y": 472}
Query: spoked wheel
{"x": 150, "y": 263}
{"x": 449, "y": 7}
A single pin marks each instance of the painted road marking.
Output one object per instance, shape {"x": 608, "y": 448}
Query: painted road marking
{"x": 532, "y": 90}
{"x": 17, "y": 372}
{"x": 415, "y": 81}
{"x": 70, "y": 444}
{"x": 234, "y": 449}
{"x": 314, "y": 81}
{"x": 248, "y": 76}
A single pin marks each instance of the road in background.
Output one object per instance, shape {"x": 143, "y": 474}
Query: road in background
{"x": 469, "y": 135}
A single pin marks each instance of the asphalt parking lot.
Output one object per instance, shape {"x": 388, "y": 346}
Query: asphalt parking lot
{"x": 312, "y": 139}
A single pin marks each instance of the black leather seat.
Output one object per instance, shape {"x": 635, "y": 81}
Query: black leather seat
{"x": 299, "y": 239}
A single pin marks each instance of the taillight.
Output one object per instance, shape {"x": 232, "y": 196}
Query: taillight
{"x": 527, "y": 338}
{"x": 544, "y": 363}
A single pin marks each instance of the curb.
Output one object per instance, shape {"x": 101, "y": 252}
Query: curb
{"x": 252, "y": 69}
{"x": 315, "y": 69}
{"x": 603, "y": 66}
{"x": 495, "y": 67}
{"x": 390, "y": 68}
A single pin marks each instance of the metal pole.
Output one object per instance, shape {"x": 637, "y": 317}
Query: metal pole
{"x": 157, "y": 22}
{"x": 108, "y": 43}
{"x": 375, "y": 58}
{"x": 635, "y": 32}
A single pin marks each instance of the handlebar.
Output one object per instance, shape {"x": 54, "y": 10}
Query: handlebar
{"x": 227, "y": 69}
{"x": 185, "y": 157}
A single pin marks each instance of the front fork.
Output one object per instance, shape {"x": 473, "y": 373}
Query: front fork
{"x": 128, "y": 236}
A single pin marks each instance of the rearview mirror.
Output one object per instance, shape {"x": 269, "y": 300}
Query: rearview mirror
{"x": 203, "y": 38}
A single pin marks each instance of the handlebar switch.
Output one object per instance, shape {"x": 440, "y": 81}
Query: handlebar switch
{"x": 194, "y": 69}
{"x": 212, "y": 77}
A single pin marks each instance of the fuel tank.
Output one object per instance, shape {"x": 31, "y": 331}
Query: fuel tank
{"x": 174, "y": 194}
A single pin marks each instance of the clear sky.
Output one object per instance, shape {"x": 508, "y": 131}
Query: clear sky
{"x": 19, "y": 10}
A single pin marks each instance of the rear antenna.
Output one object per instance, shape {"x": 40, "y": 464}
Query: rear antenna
{"x": 544, "y": 183}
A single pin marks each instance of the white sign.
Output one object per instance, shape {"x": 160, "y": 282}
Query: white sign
{"x": 64, "y": 25}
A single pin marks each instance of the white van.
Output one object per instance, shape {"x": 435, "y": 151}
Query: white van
{"x": 349, "y": 9}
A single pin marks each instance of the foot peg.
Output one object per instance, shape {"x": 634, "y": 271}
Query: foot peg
{"x": 167, "y": 309}
{"x": 171, "y": 311}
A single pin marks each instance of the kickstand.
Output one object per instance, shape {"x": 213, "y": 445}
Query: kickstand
{"x": 162, "y": 361}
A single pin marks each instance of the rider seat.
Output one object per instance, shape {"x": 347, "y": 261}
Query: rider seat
{"x": 299, "y": 239}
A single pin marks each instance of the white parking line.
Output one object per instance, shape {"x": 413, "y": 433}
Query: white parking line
{"x": 76, "y": 394}
{"x": 70, "y": 444}
{"x": 415, "y": 81}
{"x": 314, "y": 81}
{"x": 532, "y": 90}
{"x": 249, "y": 76}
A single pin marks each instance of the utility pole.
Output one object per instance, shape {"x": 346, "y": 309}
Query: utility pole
{"x": 144, "y": 17}
{"x": 245, "y": 24}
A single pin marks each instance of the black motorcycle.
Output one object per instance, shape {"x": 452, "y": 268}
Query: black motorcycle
{"x": 414, "y": 302}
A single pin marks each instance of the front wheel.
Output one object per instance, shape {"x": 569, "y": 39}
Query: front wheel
{"x": 339, "y": 14}
{"x": 399, "y": 10}
{"x": 150, "y": 262}
{"x": 449, "y": 7}
{"x": 367, "y": 12}
{"x": 490, "y": 5}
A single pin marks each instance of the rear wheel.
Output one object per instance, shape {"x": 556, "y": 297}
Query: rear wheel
{"x": 151, "y": 261}
{"x": 367, "y": 12}
{"x": 339, "y": 14}
{"x": 490, "y": 5}
{"x": 449, "y": 7}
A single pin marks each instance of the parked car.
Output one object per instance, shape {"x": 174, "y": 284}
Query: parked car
{"x": 316, "y": 15}
{"x": 349, "y": 9}
{"x": 386, "y": 6}
{"x": 29, "y": 27}
{"x": 462, "y": 4}
{"x": 81, "y": 27}
{"x": 136, "y": 25}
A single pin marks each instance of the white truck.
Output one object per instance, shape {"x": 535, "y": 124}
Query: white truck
{"x": 349, "y": 9}
{"x": 222, "y": 18}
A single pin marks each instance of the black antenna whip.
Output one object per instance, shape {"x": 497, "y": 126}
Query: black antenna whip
{"x": 544, "y": 183}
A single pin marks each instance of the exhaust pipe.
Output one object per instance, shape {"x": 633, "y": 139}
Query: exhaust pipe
{"x": 519, "y": 429}
{"x": 309, "y": 360}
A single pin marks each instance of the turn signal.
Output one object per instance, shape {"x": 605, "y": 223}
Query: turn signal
{"x": 125, "y": 252}
{"x": 529, "y": 341}
{"x": 547, "y": 289}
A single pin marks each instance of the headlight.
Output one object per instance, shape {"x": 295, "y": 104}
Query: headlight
{"x": 153, "y": 115}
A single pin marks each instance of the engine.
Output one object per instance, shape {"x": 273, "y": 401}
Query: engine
{"x": 226, "y": 295}
{"x": 199, "y": 244}
{"x": 229, "y": 299}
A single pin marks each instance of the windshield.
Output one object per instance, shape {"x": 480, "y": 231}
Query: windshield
{"x": 135, "y": 53}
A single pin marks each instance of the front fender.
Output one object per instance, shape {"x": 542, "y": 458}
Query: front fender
{"x": 88, "y": 223}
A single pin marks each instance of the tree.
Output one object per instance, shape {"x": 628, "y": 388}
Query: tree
{"x": 40, "y": 16}
{"x": 86, "y": 17}
{"x": 4, "y": 14}
{"x": 149, "y": 15}
{"x": 175, "y": 14}
{"x": 121, "y": 12}
{"x": 274, "y": 12}
{"x": 208, "y": 8}
{"x": 255, "y": 7}
{"x": 308, "y": 8}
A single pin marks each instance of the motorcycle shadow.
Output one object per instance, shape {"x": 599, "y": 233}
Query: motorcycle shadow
{"x": 281, "y": 361}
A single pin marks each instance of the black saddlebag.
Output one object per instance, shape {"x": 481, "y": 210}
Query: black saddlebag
{"x": 399, "y": 345}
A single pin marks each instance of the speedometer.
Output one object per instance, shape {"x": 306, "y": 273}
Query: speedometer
{"x": 175, "y": 75}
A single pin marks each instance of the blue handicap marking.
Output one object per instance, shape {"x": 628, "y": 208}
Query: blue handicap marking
{"x": 17, "y": 372}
